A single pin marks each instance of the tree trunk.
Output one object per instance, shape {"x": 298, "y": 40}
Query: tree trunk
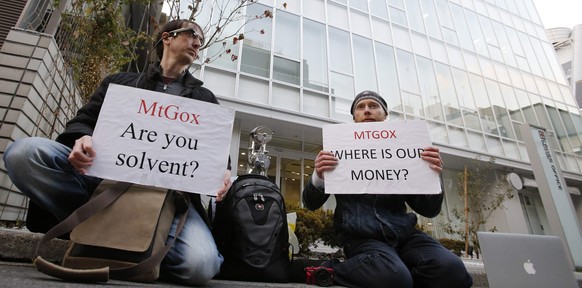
{"x": 466, "y": 213}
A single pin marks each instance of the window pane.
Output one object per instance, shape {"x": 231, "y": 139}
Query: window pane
{"x": 457, "y": 137}
{"x": 256, "y": 54}
{"x": 287, "y": 35}
{"x": 429, "y": 90}
{"x": 364, "y": 64}
{"x": 314, "y": 56}
{"x": 476, "y": 141}
{"x": 379, "y": 9}
{"x": 286, "y": 70}
{"x": 430, "y": 17}
{"x": 388, "y": 85}
{"x": 406, "y": 67}
{"x": 253, "y": 37}
{"x": 342, "y": 86}
{"x": 255, "y": 60}
{"x": 337, "y": 15}
{"x": 447, "y": 93}
{"x": 314, "y": 9}
{"x": 415, "y": 16}
{"x": 339, "y": 48}
{"x": 462, "y": 28}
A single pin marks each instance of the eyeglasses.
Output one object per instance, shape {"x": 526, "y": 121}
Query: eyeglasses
{"x": 191, "y": 32}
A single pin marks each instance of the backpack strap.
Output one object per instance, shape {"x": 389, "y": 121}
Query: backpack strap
{"x": 85, "y": 212}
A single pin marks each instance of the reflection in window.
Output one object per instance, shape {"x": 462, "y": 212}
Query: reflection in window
{"x": 526, "y": 107}
{"x": 494, "y": 145}
{"x": 462, "y": 28}
{"x": 448, "y": 96}
{"x": 378, "y": 8}
{"x": 463, "y": 89}
{"x": 340, "y": 109}
{"x": 342, "y": 86}
{"x": 287, "y": 34}
{"x": 340, "y": 51}
{"x": 438, "y": 132}
{"x": 413, "y": 104}
{"x": 559, "y": 129}
{"x": 314, "y": 56}
{"x": 430, "y": 17}
{"x": 359, "y": 4}
{"x": 476, "y": 141}
{"x": 510, "y": 149}
{"x": 444, "y": 14}
{"x": 398, "y": 16}
{"x": 529, "y": 54}
{"x": 570, "y": 128}
{"x": 488, "y": 31}
{"x": 388, "y": 86}
{"x": 505, "y": 129}
{"x": 458, "y": 137}
{"x": 255, "y": 58}
{"x": 286, "y": 70}
{"x": 476, "y": 34}
{"x": 255, "y": 61}
{"x": 415, "y": 16}
{"x": 483, "y": 106}
{"x": 407, "y": 71}
{"x": 314, "y": 9}
{"x": 511, "y": 103}
{"x": 429, "y": 90}
{"x": 504, "y": 44}
{"x": 364, "y": 64}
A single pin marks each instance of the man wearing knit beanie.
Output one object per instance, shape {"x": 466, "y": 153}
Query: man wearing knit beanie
{"x": 369, "y": 95}
{"x": 379, "y": 238}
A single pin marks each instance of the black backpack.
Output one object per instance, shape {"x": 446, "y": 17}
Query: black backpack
{"x": 250, "y": 230}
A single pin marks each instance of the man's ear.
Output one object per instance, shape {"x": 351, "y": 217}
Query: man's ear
{"x": 165, "y": 36}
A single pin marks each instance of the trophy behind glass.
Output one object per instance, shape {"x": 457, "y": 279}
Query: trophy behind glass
{"x": 258, "y": 159}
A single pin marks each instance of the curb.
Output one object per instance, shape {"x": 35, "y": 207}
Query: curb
{"x": 20, "y": 245}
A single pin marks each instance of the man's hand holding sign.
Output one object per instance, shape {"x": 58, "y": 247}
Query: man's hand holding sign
{"x": 161, "y": 140}
{"x": 378, "y": 171}
{"x": 381, "y": 158}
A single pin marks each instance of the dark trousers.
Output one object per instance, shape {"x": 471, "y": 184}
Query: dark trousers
{"x": 420, "y": 261}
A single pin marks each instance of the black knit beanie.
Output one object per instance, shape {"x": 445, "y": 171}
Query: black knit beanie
{"x": 369, "y": 95}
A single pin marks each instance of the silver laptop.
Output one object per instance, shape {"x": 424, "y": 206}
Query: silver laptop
{"x": 525, "y": 261}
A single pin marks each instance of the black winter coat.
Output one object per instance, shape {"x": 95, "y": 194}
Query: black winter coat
{"x": 86, "y": 119}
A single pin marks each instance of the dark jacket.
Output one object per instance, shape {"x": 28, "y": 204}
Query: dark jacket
{"x": 86, "y": 119}
{"x": 374, "y": 216}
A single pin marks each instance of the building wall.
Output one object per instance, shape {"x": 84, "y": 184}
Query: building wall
{"x": 569, "y": 52}
{"x": 37, "y": 97}
{"x": 474, "y": 70}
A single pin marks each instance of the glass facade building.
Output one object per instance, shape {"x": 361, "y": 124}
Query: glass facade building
{"x": 475, "y": 70}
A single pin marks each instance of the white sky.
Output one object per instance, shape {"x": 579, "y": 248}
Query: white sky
{"x": 559, "y": 13}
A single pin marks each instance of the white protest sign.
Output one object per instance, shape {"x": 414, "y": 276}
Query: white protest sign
{"x": 379, "y": 158}
{"x": 162, "y": 140}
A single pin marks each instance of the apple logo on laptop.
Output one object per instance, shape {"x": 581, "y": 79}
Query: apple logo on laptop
{"x": 529, "y": 267}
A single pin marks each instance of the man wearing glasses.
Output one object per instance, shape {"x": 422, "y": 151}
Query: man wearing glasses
{"x": 52, "y": 173}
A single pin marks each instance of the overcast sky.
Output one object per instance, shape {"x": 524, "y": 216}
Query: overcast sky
{"x": 559, "y": 13}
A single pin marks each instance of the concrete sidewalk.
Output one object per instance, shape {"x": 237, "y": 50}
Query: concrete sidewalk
{"x": 18, "y": 247}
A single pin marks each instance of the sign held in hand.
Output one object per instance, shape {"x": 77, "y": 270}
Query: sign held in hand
{"x": 379, "y": 158}
{"x": 162, "y": 140}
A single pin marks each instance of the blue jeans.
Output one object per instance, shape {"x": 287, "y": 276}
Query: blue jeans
{"x": 420, "y": 261}
{"x": 39, "y": 167}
